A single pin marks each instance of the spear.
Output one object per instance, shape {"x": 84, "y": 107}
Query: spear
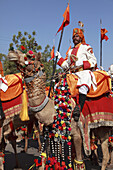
{"x": 66, "y": 22}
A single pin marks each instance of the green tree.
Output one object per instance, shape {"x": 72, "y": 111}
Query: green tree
{"x": 48, "y": 65}
{"x": 27, "y": 40}
{"x": 30, "y": 43}
{"x": 8, "y": 67}
{"x": 2, "y": 57}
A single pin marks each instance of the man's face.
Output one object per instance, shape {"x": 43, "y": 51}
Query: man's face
{"x": 76, "y": 39}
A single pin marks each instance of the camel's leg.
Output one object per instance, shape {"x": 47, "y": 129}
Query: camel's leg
{"x": 106, "y": 155}
{"x": 25, "y": 140}
{"x": 26, "y": 143}
{"x": 77, "y": 142}
{"x": 1, "y": 163}
{"x": 2, "y": 149}
{"x": 36, "y": 131}
{"x": 111, "y": 156}
{"x": 13, "y": 143}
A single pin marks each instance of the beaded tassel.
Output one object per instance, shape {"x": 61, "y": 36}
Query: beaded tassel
{"x": 53, "y": 150}
{"x": 63, "y": 158}
{"x": 62, "y": 122}
{"x": 58, "y": 151}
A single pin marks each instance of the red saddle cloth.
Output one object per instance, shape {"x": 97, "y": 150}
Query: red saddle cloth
{"x": 12, "y": 107}
{"x": 95, "y": 113}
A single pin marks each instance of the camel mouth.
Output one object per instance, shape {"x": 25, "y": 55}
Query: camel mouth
{"x": 12, "y": 57}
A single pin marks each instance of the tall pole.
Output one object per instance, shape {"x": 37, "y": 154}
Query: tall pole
{"x": 100, "y": 44}
{"x": 56, "y": 60}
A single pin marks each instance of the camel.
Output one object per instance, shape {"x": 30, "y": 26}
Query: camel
{"x": 33, "y": 72}
{"x": 7, "y": 125}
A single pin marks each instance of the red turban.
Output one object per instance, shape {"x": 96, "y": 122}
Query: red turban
{"x": 80, "y": 33}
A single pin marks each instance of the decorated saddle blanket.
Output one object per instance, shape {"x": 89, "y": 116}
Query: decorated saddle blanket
{"x": 12, "y": 98}
{"x": 12, "y": 107}
{"x": 15, "y": 87}
{"x": 103, "y": 84}
{"x": 95, "y": 113}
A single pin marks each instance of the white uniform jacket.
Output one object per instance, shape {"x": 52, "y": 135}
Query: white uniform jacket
{"x": 83, "y": 56}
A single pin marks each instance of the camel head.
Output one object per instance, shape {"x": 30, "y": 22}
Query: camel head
{"x": 28, "y": 62}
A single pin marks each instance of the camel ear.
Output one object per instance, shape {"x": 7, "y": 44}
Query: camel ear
{"x": 38, "y": 56}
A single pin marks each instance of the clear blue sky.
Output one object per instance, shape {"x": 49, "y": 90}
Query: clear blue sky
{"x": 46, "y": 16}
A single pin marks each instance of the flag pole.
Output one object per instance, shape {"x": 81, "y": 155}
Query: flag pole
{"x": 54, "y": 68}
{"x": 100, "y": 44}
{"x": 57, "y": 56}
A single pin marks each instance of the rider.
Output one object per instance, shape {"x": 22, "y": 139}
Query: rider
{"x": 81, "y": 58}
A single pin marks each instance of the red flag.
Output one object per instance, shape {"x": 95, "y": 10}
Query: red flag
{"x": 66, "y": 20}
{"x": 52, "y": 53}
{"x": 103, "y": 36}
{"x": 67, "y": 52}
{"x": 1, "y": 69}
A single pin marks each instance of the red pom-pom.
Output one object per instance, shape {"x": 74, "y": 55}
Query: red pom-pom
{"x": 54, "y": 117}
{"x": 25, "y": 58}
{"x": 23, "y": 48}
{"x": 57, "y": 122}
{"x": 53, "y": 125}
{"x": 69, "y": 128}
{"x": 63, "y": 163}
{"x": 69, "y": 143}
{"x": 63, "y": 125}
{"x": 30, "y": 52}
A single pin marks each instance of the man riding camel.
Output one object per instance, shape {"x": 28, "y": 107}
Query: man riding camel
{"x": 81, "y": 61}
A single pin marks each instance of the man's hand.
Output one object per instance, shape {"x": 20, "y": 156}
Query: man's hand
{"x": 58, "y": 54}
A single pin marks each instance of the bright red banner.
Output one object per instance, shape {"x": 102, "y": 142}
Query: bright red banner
{"x": 52, "y": 53}
{"x": 66, "y": 20}
{"x": 103, "y": 36}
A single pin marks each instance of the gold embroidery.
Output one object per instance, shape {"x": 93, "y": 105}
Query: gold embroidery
{"x": 74, "y": 58}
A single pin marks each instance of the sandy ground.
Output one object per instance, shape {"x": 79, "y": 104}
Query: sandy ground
{"x": 26, "y": 160}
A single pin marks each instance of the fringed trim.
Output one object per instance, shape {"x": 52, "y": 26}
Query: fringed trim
{"x": 41, "y": 106}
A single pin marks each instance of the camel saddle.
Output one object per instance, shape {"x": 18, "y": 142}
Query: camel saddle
{"x": 103, "y": 84}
